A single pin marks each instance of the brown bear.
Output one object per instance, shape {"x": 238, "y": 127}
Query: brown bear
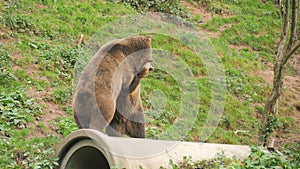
{"x": 108, "y": 91}
{"x": 130, "y": 122}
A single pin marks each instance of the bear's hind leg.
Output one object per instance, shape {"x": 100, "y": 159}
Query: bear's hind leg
{"x": 116, "y": 127}
{"x": 136, "y": 126}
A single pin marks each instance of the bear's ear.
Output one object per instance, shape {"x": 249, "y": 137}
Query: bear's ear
{"x": 148, "y": 38}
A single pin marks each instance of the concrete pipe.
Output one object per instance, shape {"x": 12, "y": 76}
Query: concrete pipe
{"x": 91, "y": 149}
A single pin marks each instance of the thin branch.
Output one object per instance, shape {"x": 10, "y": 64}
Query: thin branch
{"x": 284, "y": 10}
{"x": 293, "y": 36}
{"x": 286, "y": 18}
{"x": 294, "y": 48}
{"x": 281, "y": 7}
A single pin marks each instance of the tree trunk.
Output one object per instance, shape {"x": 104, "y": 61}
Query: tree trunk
{"x": 270, "y": 109}
{"x": 284, "y": 52}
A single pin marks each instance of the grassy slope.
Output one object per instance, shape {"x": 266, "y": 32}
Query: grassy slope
{"x": 38, "y": 52}
{"x": 39, "y": 49}
{"x": 247, "y": 41}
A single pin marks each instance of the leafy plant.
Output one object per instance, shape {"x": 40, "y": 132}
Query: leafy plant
{"x": 258, "y": 158}
{"x": 62, "y": 95}
{"x": 66, "y": 125}
{"x": 6, "y": 76}
{"x": 153, "y": 132}
{"x": 19, "y": 153}
{"x": 18, "y": 23}
{"x": 16, "y": 109}
{"x": 167, "y": 6}
{"x": 61, "y": 59}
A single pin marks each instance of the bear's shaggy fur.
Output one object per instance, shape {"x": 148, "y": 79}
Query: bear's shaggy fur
{"x": 131, "y": 124}
{"x": 108, "y": 91}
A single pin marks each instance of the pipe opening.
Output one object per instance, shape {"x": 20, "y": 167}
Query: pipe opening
{"x": 87, "y": 158}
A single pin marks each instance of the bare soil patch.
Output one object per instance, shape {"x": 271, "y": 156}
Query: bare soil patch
{"x": 45, "y": 124}
{"x": 197, "y": 9}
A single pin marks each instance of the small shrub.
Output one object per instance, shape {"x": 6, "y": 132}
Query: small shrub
{"x": 258, "y": 158}
{"x": 62, "y": 95}
{"x": 166, "y": 6}
{"x": 19, "y": 153}
{"x": 6, "y": 76}
{"x": 60, "y": 59}
{"x": 16, "y": 109}
{"x": 66, "y": 125}
{"x": 18, "y": 23}
{"x": 153, "y": 132}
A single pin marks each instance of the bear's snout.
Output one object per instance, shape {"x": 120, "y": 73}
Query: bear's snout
{"x": 151, "y": 69}
{"x": 147, "y": 68}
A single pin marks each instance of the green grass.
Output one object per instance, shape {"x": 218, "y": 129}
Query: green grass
{"x": 20, "y": 153}
{"x": 258, "y": 158}
{"x": 42, "y": 36}
{"x": 247, "y": 27}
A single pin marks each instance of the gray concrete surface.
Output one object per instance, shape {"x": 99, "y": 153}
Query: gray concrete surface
{"x": 91, "y": 149}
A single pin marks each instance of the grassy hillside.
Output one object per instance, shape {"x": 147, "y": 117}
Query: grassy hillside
{"x": 39, "y": 43}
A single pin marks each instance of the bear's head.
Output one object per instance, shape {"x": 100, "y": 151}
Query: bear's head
{"x": 137, "y": 50}
{"x": 133, "y": 44}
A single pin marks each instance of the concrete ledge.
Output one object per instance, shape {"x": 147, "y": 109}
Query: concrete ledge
{"x": 91, "y": 149}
